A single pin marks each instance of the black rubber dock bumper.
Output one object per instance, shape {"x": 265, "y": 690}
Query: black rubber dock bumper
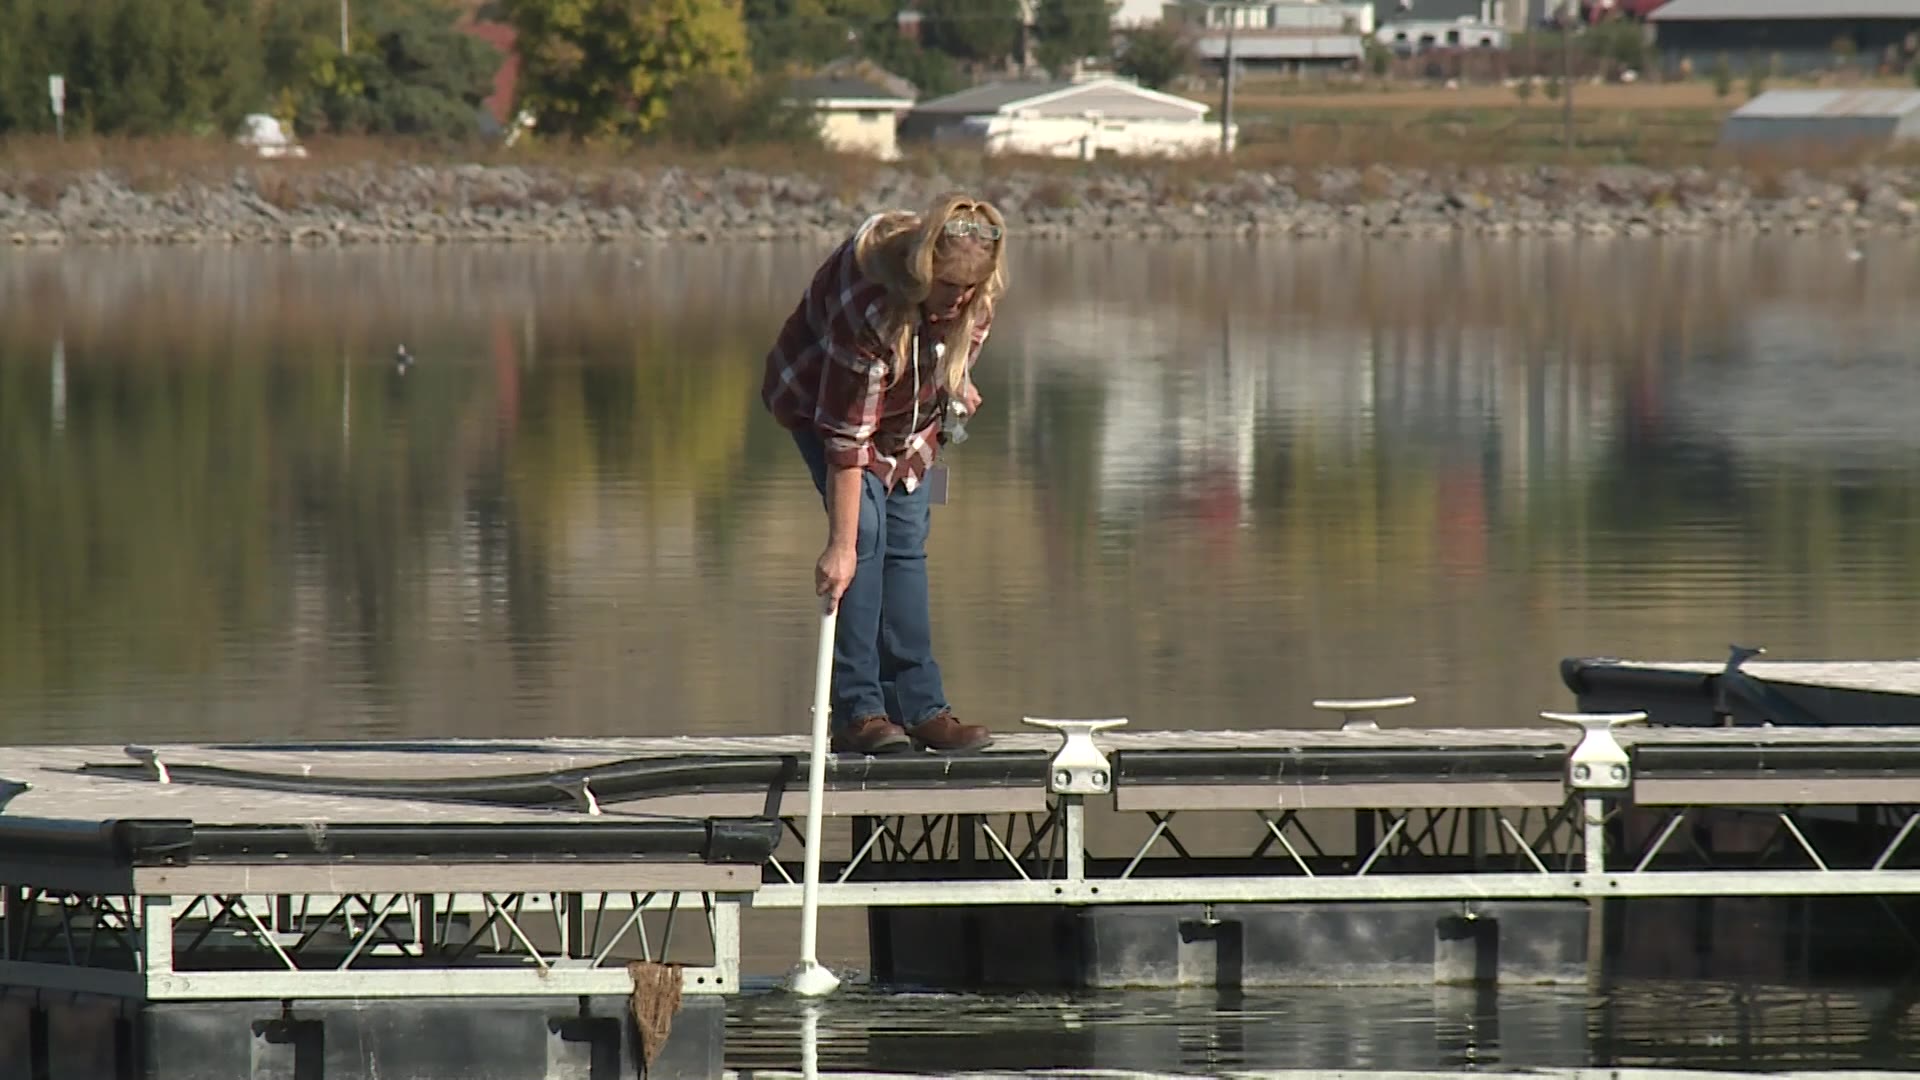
{"x": 81, "y": 1037}
{"x": 139, "y": 843}
{"x": 630, "y": 779}
{"x": 1337, "y": 765}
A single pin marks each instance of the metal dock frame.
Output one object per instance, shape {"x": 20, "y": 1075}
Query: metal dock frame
{"x": 1553, "y": 826}
{"x": 170, "y": 911}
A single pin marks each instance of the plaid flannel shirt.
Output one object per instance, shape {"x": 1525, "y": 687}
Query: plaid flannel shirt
{"x": 832, "y": 370}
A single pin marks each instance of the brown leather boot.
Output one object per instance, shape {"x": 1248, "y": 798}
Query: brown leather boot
{"x": 944, "y": 732}
{"x": 870, "y": 735}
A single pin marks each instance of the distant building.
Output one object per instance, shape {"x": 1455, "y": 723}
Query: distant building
{"x": 1282, "y": 16}
{"x": 1487, "y": 11}
{"x": 1409, "y": 37}
{"x": 1637, "y": 9}
{"x": 1417, "y": 26}
{"x": 1828, "y": 118}
{"x": 1083, "y": 119}
{"x": 1137, "y": 12}
{"x": 1292, "y": 34}
{"x": 1803, "y": 34}
{"x": 856, "y": 113}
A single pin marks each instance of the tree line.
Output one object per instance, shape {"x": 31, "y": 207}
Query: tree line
{"x": 153, "y": 67}
{"x": 702, "y": 71}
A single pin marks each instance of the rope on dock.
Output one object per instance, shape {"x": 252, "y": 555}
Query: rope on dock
{"x": 656, "y": 998}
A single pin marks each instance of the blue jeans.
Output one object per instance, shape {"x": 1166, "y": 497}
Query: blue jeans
{"x": 883, "y": 644}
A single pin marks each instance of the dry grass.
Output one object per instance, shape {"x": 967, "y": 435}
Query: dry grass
{"x": 1260, "y": 93}
{"x": 188, "y": 157}
{"x": 1301, "y": 139}
{"x": 39, "y": 169}
{"x": 1655, "y": 96}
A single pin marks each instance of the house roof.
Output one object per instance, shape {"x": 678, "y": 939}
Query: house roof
{"x": 1431, "y": 9}
{"x": 1750, "y": 10}
{"x": 991, "y": 97}
{"x": 1006, "y": 97}
{"x": 1805, "y": 104}
{"x": 855, "y": 67}
{"x": 843, "y": 88}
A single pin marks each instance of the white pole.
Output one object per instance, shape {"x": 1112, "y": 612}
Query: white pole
{"x": 1226, "y": 85}
{"x": 810, "y": 1042}
{"x": 808, "y": 978}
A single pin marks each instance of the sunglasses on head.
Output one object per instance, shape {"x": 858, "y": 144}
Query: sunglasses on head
{"x": 982, "y": 229}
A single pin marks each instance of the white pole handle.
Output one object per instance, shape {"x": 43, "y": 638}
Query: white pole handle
{"x": 808, "y": 978}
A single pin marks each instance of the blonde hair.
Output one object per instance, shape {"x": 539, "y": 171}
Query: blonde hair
{"x": 905, "y": 252}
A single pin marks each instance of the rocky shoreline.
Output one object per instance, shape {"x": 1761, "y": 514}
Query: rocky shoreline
{"x": 397, "y": 204}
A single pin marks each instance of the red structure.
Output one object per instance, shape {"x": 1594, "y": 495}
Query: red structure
{"x": 1636, "y": 9}
{"x": 499, "y": 104}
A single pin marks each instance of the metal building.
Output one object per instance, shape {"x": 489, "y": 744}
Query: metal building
{"x": 1793, "y": 34}
{"x": 1827, "y": 117}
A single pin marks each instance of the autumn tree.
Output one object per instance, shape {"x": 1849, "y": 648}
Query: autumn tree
{"x": 1069, "y": 31}
{"x": 608, "y": 68}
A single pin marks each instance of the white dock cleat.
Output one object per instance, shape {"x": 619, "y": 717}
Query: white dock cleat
{"x": 1357, "y": 713}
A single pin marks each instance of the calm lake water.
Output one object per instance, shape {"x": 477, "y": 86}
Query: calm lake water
{"x": 1211, "y": 482}
{"x": 1649, "y": 1031}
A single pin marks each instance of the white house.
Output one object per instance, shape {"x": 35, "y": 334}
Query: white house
{"x": 1410, "y": 36}
{"x": 1291, "y": 34}
{"x": 1082, "y": 119}
{"x": 855, "y": 114}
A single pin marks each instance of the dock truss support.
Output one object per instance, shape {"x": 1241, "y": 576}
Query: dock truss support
{"x": 1587, "y": 823}
{"x": 161, "y": 947}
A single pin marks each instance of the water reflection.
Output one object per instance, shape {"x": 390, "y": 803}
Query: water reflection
{"x": 1369, "y": 1031}
{"x": 1212, "y": 482}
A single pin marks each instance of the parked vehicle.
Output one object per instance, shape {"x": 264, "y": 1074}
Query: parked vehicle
{"x": 268, "y": 137}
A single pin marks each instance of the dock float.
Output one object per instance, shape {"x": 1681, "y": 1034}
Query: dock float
{"x": 544, "y": 907}
{"x": 1742, "y": 690}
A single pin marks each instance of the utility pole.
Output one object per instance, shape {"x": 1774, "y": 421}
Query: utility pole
{"x": 345, "y": 49}
{"x": 1226, "y": 85}
{"x": 1568, "y": 13}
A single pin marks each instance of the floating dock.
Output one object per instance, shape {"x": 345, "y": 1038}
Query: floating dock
{"x": 548, "y": 907}
{"x": 1742, "y": 690}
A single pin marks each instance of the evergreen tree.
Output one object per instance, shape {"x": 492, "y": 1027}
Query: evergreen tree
{"x": 974, "y": 31}
{"x": 409, "y": 69}
{"x": 34, "y": 36}
{"x": 931, "y": 72}
{"x": 149, "y": 67}
{"x": 808, "y": 33}
{"x": 1154, "y": 55}
{"x": 138, "y": 67}
{"x": 1069, "y": 31}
